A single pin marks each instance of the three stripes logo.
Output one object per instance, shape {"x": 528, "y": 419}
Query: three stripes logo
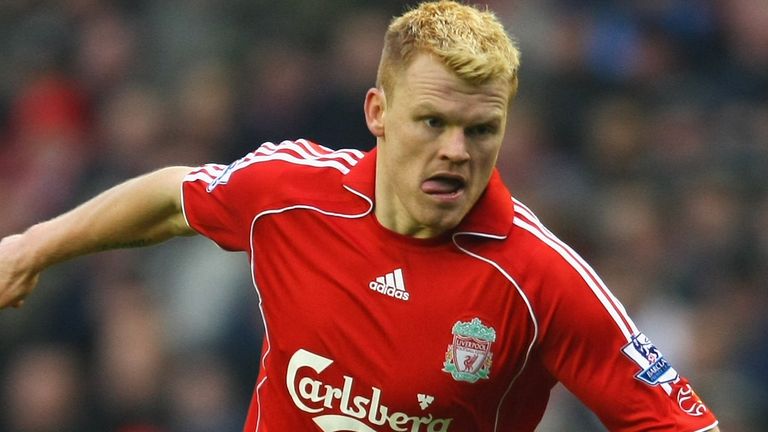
{"x": 391, "y": 284}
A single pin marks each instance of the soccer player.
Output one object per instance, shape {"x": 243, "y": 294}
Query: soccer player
{"x": 402, "y": 289}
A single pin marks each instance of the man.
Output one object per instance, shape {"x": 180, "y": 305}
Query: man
{"x": 403, "y": 289}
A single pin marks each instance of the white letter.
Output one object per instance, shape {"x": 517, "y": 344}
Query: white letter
{"x": 443, "y": 423}
{"x": 310, "y": 389}
{"x": 396, "y": 420}
{"x": 345, "y": 395}
{"x": 331, "y": 393}
{"x": 303, "y": 358}
{"x": 375, "y": 398}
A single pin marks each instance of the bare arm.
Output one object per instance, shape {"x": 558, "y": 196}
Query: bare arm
{"x": 140, "y": 212}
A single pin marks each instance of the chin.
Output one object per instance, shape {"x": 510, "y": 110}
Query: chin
{"x": 441, "y": 218}
{"x": 443, "y": 224}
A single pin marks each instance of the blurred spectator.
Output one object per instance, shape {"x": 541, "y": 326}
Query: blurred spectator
{"x": 106, "y": 47}
{"x": 746, "y": 34}
{"x": 204, "y": 113}
{"x": 45, "y": 150}
{"x": 200, "y": 390}
{"x": 198, "y": 292}
{"x": 130, "y": 353}
{"x": 280, "y": 88}
{"x": 348, "y": 71}
{"x": 616, "y": 132}
{"x": 132, "y": 125}
{"x": 43, "y": 391}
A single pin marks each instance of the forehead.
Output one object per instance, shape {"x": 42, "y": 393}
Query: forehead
{"x": 427, "y": 81}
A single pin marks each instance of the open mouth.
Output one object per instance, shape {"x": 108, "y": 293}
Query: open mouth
{"x": 444, "y": 186}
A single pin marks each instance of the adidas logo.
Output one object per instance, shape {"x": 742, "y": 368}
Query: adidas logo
{"x": 391, "y": 284}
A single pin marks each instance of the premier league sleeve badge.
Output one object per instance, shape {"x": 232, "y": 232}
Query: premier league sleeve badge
{"x": 655, "y": 368}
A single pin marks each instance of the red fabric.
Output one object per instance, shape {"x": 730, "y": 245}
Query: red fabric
{"x": 342, "y": 354}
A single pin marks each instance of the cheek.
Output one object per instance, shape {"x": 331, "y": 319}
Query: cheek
{"x": 409, "y": 150}
{"x": 485, "y": 158}
{"x": 483, "y": 165}
{"x": 400, "y": 163}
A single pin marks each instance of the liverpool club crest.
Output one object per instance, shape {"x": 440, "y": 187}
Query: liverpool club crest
{"x": 469, "y": 356}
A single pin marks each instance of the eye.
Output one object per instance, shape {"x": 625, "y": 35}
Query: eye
{"x": 434, "y": 122}
{"x": 480, "y": 130}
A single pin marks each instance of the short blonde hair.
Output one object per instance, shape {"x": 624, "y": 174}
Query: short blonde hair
{"x": 470, "y": 42}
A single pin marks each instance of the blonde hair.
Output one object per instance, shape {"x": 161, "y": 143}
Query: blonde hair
{"x": 470, "y": 42}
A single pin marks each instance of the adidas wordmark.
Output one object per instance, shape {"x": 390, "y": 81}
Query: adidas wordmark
{"x": 391, "y": 284}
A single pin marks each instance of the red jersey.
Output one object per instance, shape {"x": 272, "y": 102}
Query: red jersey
{"x": 370, "y": 330}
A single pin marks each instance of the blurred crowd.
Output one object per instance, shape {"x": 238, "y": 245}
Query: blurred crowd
{"x": 639, "y": 136}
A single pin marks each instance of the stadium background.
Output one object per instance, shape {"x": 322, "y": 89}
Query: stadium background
{"x": 640, "y": 136}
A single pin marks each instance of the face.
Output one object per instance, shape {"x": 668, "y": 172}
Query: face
{"x": 438, "y": 139}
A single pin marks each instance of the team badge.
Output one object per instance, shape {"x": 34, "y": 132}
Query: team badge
{"x": 655, "y": 368}
{"x": 469, "y": 356}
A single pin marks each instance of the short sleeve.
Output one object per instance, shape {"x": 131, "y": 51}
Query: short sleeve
{"x": 590, "y": 345}
{"x": 222, "y": 202}
{"x": 218, "y": 202}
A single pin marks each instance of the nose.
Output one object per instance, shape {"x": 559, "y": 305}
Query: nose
{"x": 453, "y": 147}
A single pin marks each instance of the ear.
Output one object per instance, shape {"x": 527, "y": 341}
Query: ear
{"x": 375, "y": 105}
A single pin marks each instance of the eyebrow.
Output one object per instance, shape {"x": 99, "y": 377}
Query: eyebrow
{"x": 426, "y": 107}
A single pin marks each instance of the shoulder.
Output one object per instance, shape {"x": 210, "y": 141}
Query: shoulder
{"x": 275, "y": 176}
{"x": 304, "y": 154}
{"x": 288, "y": 156}
{"x": 286, "y": 167}
{"x": 560, "y": 281}
{"x": 547, "y": 268}
{"x": 532, "y": 247}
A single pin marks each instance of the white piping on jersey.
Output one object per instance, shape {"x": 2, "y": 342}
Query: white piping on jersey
{"x": 309, "y": 151}
{"x": 309, "y": 155}
{"x": 520, "y": 292}
{"x": 204, "y": 174}
{"x": 612, "y": 305}
{"x": 253, "y": 272}
{"x": 183, "y": 207}
{"x": 316, "y": 162}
